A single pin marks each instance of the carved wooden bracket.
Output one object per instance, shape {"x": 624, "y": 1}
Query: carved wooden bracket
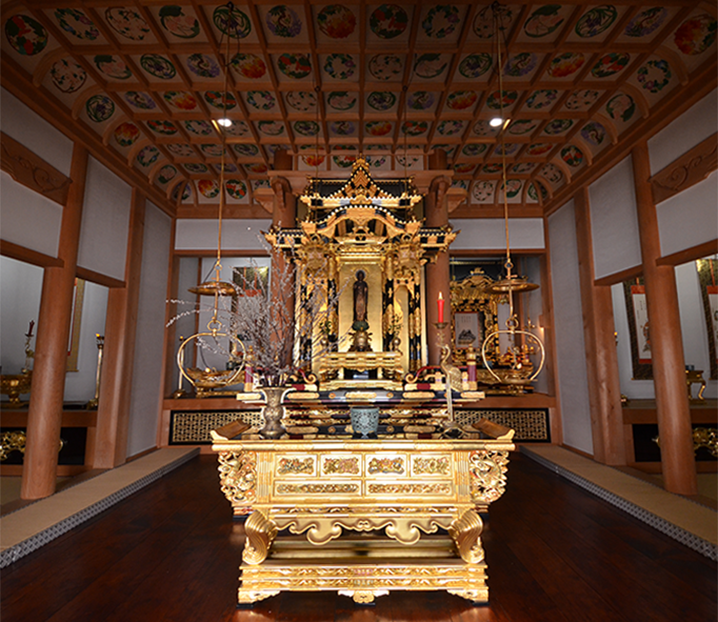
{"x": 30, "y": 170}
{"x": 692, "y": 167}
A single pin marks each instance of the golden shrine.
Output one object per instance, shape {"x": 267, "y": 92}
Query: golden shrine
{"x": 361, "y": 238}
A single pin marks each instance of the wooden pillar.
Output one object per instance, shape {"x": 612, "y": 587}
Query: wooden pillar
{"x": 669, "y": 376}
{"x": 53, "y": 330}
{"x": 113, "y": 412}
{"x": 604, "y": 387}
{"x": 436, "y": 212}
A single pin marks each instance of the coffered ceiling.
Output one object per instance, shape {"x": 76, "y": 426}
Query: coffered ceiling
{"x": 392, "y": 81}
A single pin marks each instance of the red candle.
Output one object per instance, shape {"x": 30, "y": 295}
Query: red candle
{"x": 440, "y": 303}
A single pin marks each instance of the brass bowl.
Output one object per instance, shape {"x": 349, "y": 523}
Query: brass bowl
{"x": 15, "y": 385}
{"x": 207, "y": 379}
{"x": 506, "y": 376}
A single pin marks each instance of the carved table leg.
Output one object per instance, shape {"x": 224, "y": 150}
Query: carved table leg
{"x": 465, "y": 531}
{"x": 260, "y": 534}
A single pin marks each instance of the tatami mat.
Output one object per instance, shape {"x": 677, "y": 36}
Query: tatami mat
{"x": 691, "y": 523}
{"x": 28, "y": 528}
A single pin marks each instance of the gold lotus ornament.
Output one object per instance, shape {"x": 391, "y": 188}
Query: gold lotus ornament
{"x": 16, "y": 385}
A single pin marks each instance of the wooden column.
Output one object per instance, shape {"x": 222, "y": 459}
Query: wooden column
{"x": 604, "y": 387}
{"x": 436, "y": 212}
{"x": 669, "y": 376}
{"x": 53, "y": 331}
{"x": 113, "y": 412}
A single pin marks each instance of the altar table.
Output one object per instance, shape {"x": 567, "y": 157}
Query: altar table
{"x": 363, "y": 517}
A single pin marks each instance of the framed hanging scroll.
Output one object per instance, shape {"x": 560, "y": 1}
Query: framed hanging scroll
{"x": 638, "y": 329}
{"x": 73, "y": 344}
{"x": 708, "y": 280}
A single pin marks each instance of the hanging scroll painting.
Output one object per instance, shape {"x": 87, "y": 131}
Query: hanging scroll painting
{"x": 467, "y": 330}
{"x": 252, "y": 280}
{"x": 638, "y": 328}
{"x": 708, "y": 280}
{"x": 73, "y": 346}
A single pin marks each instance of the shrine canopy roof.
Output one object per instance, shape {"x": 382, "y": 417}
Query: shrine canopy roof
{"x": 397, "y": 196}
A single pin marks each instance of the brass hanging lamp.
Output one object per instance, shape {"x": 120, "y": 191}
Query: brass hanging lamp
{"x": 206, "y": 380}
{"x": 517, "y": 368}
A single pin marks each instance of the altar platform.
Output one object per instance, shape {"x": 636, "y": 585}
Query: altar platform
{"x": 189, "y": 420}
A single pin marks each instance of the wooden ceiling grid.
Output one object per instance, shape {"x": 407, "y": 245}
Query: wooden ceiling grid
{"x": 333, "y": 80}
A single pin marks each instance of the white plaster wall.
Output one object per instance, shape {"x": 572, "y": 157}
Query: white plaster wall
{"x": 28, "y": 218}
{"x": 490, "y": 233}
{"x": 20, "y": 291}
{"x": 533, "y": 308}
{"x": 568, "y": 322}
{"x": 693, "y": 126}
{"x": 689, "y": 218}
{"x": 201, "y": 234}
{"x": 80, "y": 384}
{"x": 105, "y": 222}
{"x": 147, "y": 389}
{"x": 633, "y": 389}
{"x": 187, "y": 325}
{"x": 614, "y": 222}
{"x": 31, "y": 130}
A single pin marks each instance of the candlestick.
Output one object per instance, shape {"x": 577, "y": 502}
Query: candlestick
{"x": 440, "y": 303}
{"x": 94, "y": 402}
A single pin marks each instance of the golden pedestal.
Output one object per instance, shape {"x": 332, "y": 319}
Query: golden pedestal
{"x": 369, "y": 517}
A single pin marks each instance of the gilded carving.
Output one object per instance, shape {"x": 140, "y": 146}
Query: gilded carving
{"x": 238, "y": 478}
{"x": 385, "y": 466}
{"x": 412, "y": 489}
{"x": 30, "y": 170}
{"x": 488, "y": 474}
{"x": 316, "y": 489}
{"x": 706, "y": 437}
{"x": 431, "y": 466}
{"x": 466, "y": 533}
{"x": 295, "y": 466}
{"x": 261, "y": 532}
{"x": 341, "y": 466}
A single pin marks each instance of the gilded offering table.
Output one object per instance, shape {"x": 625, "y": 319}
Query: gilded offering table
{"x": 367, "y": 517}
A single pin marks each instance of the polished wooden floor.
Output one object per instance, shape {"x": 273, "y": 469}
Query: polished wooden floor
{"x": 171, "y": 551}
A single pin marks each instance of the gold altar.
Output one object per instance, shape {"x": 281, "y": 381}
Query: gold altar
{"x": 363, "y": 517}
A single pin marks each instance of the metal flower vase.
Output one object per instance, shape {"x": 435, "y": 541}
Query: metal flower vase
{"x": 273, "y": 412}
{"x": 365, "y": 422}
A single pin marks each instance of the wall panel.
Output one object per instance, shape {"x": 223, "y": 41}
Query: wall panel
{"x": 19, "y": 305}
{"x": 693, "y": 126}
{"x": 490, "y": 233}
{"x": 614, "y": 222}
{"x": 201, "y": 234}
{"x": 39, "y": 136}
{"x": 28, "y": 218}
{"x": 689, "y": 218}
{"x": 105, "y": 222}
{"x": 568, "y": 320}
{"x": 146, "y": 390}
